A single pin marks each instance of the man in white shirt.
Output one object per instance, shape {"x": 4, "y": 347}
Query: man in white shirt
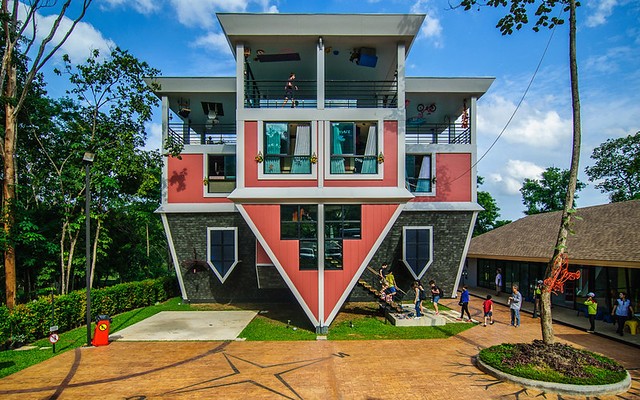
{"x": 498, "y": 281}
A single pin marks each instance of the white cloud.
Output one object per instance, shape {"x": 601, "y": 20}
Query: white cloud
{"x": 431, "y": 27}
{"x": 154, "y": 136}
{"x": 610, "y": 61}
{"x": 142, "y": 6}
{"x": 202, "y": 12}
{"x": 532, "y": 126}
{"x": 508, "y": 179}
{"x": 79, "y": 45}
{"x": 213, "y": 42}
{"x": 604, "y": 9}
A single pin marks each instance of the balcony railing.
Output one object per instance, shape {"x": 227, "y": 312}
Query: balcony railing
{"x": 454, "y": 133}
{"x": 203, "y": 133}
{"x": 338, "y": 94}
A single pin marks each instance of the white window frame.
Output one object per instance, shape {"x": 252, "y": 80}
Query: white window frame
{"x": 404, "y": 249}
{"x": 433, "y": 173}
{"x": 235, "y": 246}
{"x": 205, "y": 165}
{"x": 353, "y": 177}
{"x": 314, "y": 150}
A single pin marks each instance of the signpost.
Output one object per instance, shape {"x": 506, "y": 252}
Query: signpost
{"x": 53, "y": 337}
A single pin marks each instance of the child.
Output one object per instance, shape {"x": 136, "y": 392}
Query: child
{"x": 435, "y": 295}
{"x": 487, "y": 307}
{"x": 592, "y": 310}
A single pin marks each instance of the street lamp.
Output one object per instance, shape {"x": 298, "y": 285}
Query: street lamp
{"x": 88, "y": 160}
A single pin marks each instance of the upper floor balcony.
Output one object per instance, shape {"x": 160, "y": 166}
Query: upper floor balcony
{"x": 337, "y": 94}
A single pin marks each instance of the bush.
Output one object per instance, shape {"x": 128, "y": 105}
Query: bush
{"x": 32, "y": 320}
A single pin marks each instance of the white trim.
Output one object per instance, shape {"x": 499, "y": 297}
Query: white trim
{"x": 197, "y": 208}
{"x": 464, "y": 253}
{"x": 364, "y": 264}
{"x": 404, "y": 250}
{"x": 321, "y": 244}
{"x": 339, "y": 195}
{"x": 165, "y": 160}
{"x": 260, "y": 265}
{"x": 174, "y": 256}
{"x": 205, "y": 165}
{"x": 352, "y": 177}
{"x": 277, "y": 264}
{"x": 314, "y": 149}
{"x": 442, "y": 206}
{"x": 235, "y": 250}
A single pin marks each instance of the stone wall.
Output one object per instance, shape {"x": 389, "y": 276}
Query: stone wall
{"x": 189, "y": 233}
{"x": 450, "y": 230}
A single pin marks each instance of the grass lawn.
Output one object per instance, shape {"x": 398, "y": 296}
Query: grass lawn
{"x": 284, "y": 322}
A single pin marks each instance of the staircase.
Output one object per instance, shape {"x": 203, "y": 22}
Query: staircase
{"x": 392, "y": 306}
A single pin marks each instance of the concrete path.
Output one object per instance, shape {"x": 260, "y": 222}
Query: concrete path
{"x": 187, "y": 325}
{"x": 415, "y": 369}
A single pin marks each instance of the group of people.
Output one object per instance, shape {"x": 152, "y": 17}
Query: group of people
{"x": 389, "y": 290}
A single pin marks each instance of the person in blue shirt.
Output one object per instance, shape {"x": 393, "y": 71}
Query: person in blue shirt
{"x": 464, "y": 303}
{"x": 622, "y": 309}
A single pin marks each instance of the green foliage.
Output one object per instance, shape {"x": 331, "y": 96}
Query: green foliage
{"x": 488, "y": 218}
{"x": 556, "y": 362}
{"x": 548, "y": 193}
{"x": 519, "y": 11}
{"x": 376, "y": 329}
{"x": 617, "y": 168}
{"x": 33, "y": 319}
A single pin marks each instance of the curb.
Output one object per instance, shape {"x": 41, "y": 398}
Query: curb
{"x": 561, "y": 388}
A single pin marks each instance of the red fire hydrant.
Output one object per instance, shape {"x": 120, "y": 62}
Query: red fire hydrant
{"x": 101, "y": 333}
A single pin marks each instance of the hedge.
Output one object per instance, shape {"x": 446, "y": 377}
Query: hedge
{"x": 31, "y": 321}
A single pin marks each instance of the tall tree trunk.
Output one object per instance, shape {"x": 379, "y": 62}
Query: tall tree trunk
{"x": 8, "y": 185}
{"x": 561, "y": 242}
{"x": 73, "y": 239}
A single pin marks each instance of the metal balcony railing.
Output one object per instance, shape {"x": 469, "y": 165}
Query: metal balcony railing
{"x": 453, "y": 133}
{"x": 338, "y": 94}
{"x": 203, "y": 133}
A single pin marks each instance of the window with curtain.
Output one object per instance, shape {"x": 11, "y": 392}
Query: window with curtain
{"x": 354, "y": 148}
{"x": 419, "y": 173}
{"x": 287, "y": 148}
{"x": 222, "y": 250}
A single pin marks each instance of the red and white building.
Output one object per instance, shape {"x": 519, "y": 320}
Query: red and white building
{"x": 274, "y": 196}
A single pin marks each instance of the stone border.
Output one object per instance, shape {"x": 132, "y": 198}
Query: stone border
{"x": 561, "y": 388}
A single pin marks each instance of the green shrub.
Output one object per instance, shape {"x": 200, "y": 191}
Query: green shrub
{"x": 32, "y": 320}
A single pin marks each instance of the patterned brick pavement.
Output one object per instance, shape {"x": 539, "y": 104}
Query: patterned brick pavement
{"x": 418, "y": 369}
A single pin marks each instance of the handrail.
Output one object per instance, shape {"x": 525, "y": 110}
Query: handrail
{"x": 203, "y": 133}
{"x": 338, "y": 94}
{"x": 434, "y": 133}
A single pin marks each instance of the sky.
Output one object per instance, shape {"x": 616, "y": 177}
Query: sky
{"x": 183, "y": 38}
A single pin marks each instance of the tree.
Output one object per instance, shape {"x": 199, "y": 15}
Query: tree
{"x": 488, "y": 218}
{"x": 548, "y": 193}
{"x": 517, "y": 17}
{"x": 618, "y": 165}
{"x": 22, "y": 32}
{"x": 113, "y": 104}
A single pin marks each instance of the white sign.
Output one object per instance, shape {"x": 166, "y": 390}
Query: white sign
{"x": 53, "y": 338}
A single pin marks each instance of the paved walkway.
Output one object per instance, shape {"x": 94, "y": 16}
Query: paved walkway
{"x": 417, "y": 369}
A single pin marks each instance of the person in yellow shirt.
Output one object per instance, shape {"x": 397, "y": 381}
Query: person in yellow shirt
{"x": 592, "y": 310}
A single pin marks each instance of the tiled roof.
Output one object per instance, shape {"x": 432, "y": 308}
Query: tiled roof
{"x": 606, "y": 235}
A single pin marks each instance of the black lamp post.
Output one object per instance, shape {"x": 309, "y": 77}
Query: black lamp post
{"x": 88, "y": 160}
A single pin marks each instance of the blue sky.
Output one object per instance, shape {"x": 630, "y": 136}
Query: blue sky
{"x": 183, "y": 38}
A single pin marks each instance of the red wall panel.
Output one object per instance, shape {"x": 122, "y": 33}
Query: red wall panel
{"x": 453, "y": 178}
{"x": 184, "y": 180}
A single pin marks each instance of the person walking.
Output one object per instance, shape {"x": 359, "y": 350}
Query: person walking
{"x": 515, "y": 302}
{"x": 537, "y": 299}
{"x": 435, "y": 295}
{"x": 622, "y": 309}
{"x": 487, "y": 307}
{"x": 464, "y": 303}
{"x": 592, "y": 310}
{"x": 419, "y": 292}
{"x": 498, "y": 281}
{"x": 288, "y": 90}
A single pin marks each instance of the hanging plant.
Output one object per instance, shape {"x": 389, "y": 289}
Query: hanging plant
{"x": 314, "y": 158}
{"x": 380, "y": 158}
{"x": 259, "y": 157}
{"x": 205, "y": 181}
